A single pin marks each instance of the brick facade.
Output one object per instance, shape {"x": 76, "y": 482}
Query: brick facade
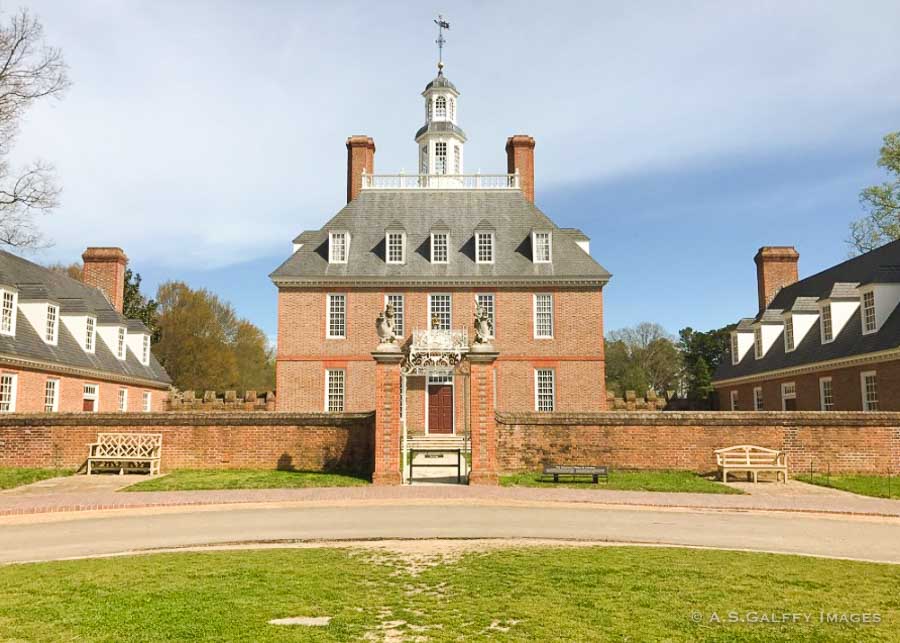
{"x": 104, "y": 268}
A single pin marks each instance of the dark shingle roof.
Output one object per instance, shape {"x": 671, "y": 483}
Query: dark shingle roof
{"x": 510, "y": 214}
{"x": 805, "y": 305}
{"x": 439, "y": 82}
{"x": 74, "y": 297}
{"x": 441, "y": 127}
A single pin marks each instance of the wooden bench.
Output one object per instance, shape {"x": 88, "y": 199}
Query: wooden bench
{"x": 577, "y": 472}
{"x": 753, "y": 460}
{"x": 135, "y": 452}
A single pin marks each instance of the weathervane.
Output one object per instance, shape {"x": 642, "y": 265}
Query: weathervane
{"x": 442, "y": 24}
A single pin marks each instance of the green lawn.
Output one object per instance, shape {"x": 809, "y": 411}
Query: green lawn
{"x": 628, "y": 481}
{"x": 865, "y": 485}
{"x": 196, "y": 479}
{"x": 539, "y": 594}
{"x": 16, "y": 477}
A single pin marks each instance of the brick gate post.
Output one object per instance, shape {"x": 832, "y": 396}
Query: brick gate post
{"x": 387, "y": 417}
{"x": 484, "y": 421}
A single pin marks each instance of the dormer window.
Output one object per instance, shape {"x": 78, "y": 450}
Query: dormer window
{"x": 120, "y": 343}
{"x": 735, "y": 350}
{"x": 757, "y": 343}
{"x": 869, "y": 319}
{"x": 542, "y": 247}
{"x": 440, "y": 108}
{"x": 484, "y": 247}
{"x": 90, "y": 330}
{"x": 788, "y": 334}
{"x": 396, "y": 247}
{"x": 827, "y": 328}
{"x": 51, "y": 333}
{"x": 145, "y": 350}
{"x": 8, "y": 313}
{"x": 338, "y": 247}
{"x": 440, "y": 245}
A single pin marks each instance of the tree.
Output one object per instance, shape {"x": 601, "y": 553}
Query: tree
{"x": 882, "y": 223}
{"x": 136, "y": 306}
{"x": 73, "y": 270}
{"x": 30, "y": 70}
{"x": 642, "y": 358}
{"x": 702, "y": 353}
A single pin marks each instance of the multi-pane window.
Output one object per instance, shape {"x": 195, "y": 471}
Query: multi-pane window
{"x": 457, "y": 161}
{"x": 396, "y": 247}
{"x": 735, "y": 403}
{"x": 397, "y": 302}
{"x": 789, "y": 334}
{"x": 147, "y": 402}
{"x": 7, "y": 393}
{"x": 8, "y": 313}
{"x": 120, "y": 349}
{"x": 757, "y": 343}
{"x": 429, "y": 108}
{"x": 52, "y": 320}
{"x": 486, "y": 301}
{"x": 145, "y": 349}
{"x": 51, "y": 396}
{"x": 544, "y": 390}
{"x": 735, "y": 350}
{"x": 123, "y": 400}
{"x": 757, "y": 399}
{"x": 439, "y": 312}
{"x": 336, "y": 325}
{"x": 484, "y": 247}
{"x": 424, "y": 159}
{"x": 338, "y": 244}
{"x": 542, "y": 245}
{"x": 543, "y": 315}
{"x": 826, "y": 396}
{"x": 440, "y": 107}
{"x": 334, "y": 390}
{"x": 89, "y": 332}
{"x": 869, "y": 391}
{"x": 440, "y": 247}
{"x": 452, "y": 108}
{"x": 440, "y": 158}
{"x": 870, "y": 325}
{"x": 827, "y": 329}
{"x": 789, "y": 396}
{"x": 90, "y": 398}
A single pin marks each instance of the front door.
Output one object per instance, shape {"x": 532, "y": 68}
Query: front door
{"x": 440, "y": 408}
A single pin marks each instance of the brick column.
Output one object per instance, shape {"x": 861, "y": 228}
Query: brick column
{"x": 484, "y": 421}
{"x": 387, "y": 418}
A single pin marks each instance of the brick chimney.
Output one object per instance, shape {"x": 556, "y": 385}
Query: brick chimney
{"x": 104, "y": 268}
{"x": 520, "y": 156}
{"x": 776, "y": 267}
{"x": 360, "y": 156}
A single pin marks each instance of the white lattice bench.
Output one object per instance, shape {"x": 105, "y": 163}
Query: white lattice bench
{"x": 752, "y": 460}
{"x": 125, "y": 451}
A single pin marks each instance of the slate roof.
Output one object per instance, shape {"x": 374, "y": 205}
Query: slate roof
{"x": 441, "y": 81}
{"x": 74, "y": 298}
{"x": 441, "y": 127}
{"x": 508, "y": 212}
{"x": 839, "y": 281}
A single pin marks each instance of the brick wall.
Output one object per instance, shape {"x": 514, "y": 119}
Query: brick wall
{"x": 845, "y": 442}
{"x": 315, "y": 442}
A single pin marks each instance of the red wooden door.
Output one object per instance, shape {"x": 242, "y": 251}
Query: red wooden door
{"x": 87, "y": 406}
{"x": 440, "y": 409}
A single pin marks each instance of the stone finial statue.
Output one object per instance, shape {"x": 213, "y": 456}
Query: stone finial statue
{"x": 384, "y": 325}
{"x": 483, "y": 327}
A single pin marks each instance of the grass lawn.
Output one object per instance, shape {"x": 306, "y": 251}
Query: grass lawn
{"x": 16, "y": 477}
{"x": 194, "y": 479}
{"x": 628, "y": 481}
{"x": 540, "y": 594}
{"x": 865, "y": 485}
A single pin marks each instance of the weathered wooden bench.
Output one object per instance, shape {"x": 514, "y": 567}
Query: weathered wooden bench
{"x": 577, "y": 472}
{"x": 753, "y": 460}
{"x": 134, "y": 452}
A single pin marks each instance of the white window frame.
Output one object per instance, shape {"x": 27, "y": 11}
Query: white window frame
{"x": 329, "y": 374}
{"x": 53, "y": 405}
{"x": 536, "y": 258}
{"x": 51, "y": 332}
{"x": 735, "y": 349}
{"x": 757, "y": 343}
{"x": 535, "y": 323}
{"x": 95, "y": 396}
{"x": 823, "y": 405}
{"x": 757, "y": 398}
{"x": 431, "y": 298}
{"x": 9, "y": 301}
{"x": 735, "y": 401}
{"x": 446, "y": 236}
{"x": 122, "y": 400}
{"x": 328, "y": 315}
{"x": 481, "y": 298}
{"x": 490, "y": 247}
{"x": 389, "y": 236}
{"x": 789, "y": 334}
{"x": 121, "y": 342}
{"x": 333, "y": 257}
{"x": 537, "y": 390}
{"x": 441, "y": 163}
{"x": 868, "y": 313}
{"x": 787, "y": 394}
{"x": 399, "y": 303}
{"x": 13, "y": 384}
{"x": 147, "y": 401}
{"x": 457, "y": 159}
{"x": 145, "y": 349}
{"x": 869, "y": 405}
{"x": 826, "y": 321}
{"x": 90, "y": 334}
{"x": 440, "y": 107}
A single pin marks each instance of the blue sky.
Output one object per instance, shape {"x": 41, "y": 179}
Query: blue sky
{"x": 203, "y": 136}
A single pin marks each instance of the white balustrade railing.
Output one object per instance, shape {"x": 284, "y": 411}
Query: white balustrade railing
{"x": 440, "y": 181}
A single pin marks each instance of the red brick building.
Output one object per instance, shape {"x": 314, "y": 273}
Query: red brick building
{"x": 829, "y": 342}
{"x": 65, "y": 345}
{"x": 435, "y": 245}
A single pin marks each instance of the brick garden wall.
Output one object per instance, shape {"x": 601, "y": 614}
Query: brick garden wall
{"x": 314, "y": 442}
{"x": 845, "y": 442}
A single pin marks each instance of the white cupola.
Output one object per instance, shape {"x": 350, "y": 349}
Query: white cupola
{"x": 440, "y": 140}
